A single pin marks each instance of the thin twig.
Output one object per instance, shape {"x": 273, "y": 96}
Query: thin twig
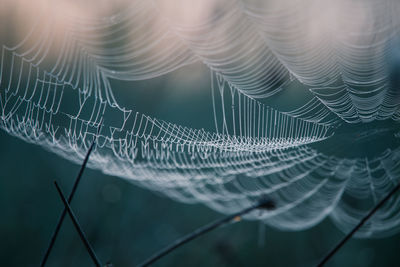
{"x": 358, "y": 226}
{"x": 263, "y": 204}
{"x": 70, "y": 197}
{"x": 78, "y": 227}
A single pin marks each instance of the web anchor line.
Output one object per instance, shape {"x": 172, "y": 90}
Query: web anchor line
{"x": 358, "y": 226}
{"x": 265, "y": 204}
{"x": 70, "y": 197}
{"x": 78, "y": 227}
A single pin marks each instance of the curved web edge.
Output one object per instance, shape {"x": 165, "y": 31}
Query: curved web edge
{"x": 186, "y": 164}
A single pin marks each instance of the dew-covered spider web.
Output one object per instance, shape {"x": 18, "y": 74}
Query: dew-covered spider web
{"x": 305, "y": 97}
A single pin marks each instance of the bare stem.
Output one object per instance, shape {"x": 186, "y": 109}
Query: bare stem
{"x": 263, "y": 204}
{"x": 70, "y": 197}
{"x": 358, "y": 226}
{"x": 78, "y": 227}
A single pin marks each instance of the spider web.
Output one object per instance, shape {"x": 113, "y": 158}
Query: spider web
{"x": 55, "y": 90}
